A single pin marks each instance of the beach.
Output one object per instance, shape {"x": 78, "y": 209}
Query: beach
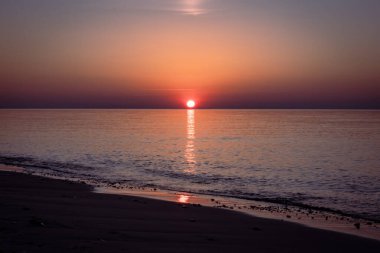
{"x": 47, "y": 215}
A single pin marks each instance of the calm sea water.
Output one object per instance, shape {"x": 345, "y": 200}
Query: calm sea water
{"x": 323, "y": 158}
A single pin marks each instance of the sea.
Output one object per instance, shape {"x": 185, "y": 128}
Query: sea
{"x": 326, "y": 159}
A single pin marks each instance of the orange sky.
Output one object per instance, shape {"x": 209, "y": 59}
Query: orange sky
{"x": 159, "y": 50}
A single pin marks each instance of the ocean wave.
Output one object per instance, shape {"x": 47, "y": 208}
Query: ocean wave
{"x": 75, "y": 171}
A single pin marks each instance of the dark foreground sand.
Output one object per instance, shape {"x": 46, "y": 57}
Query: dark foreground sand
{"x": 44, "y": 215}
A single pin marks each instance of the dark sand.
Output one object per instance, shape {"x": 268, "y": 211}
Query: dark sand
{"x": 45, "y": 215}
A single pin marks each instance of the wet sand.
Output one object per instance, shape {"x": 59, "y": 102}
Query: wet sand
{"x": 46, "y": 215}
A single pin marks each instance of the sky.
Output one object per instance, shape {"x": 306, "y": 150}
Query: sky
{"x": 160, "y": 53}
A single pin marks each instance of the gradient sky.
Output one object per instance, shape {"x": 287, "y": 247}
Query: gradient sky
{"x": 159, "y": 53}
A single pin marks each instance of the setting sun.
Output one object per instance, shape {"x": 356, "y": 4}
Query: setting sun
{"x": 190, "y": 104}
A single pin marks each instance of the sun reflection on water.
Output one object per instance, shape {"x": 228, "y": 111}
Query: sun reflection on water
{"x": 183, "y": 198}
{"x": 190, "y": 145}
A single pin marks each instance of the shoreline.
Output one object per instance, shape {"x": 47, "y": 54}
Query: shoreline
{"x": 314, "y": 219}
{"x": 317, "y": 219}
{"x": 39, "y": 214}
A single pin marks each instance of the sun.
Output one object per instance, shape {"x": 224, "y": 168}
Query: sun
{"x": 190, "y": 104}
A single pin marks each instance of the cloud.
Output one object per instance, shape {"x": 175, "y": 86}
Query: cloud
{"x": 184, "y": 7}
{"x": 192, "y": 7}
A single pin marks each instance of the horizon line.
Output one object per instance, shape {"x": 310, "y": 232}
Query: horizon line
{"x": 184, "y": 108}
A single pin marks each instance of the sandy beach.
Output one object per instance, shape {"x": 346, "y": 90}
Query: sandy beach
{"x": 47, "y": 215}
